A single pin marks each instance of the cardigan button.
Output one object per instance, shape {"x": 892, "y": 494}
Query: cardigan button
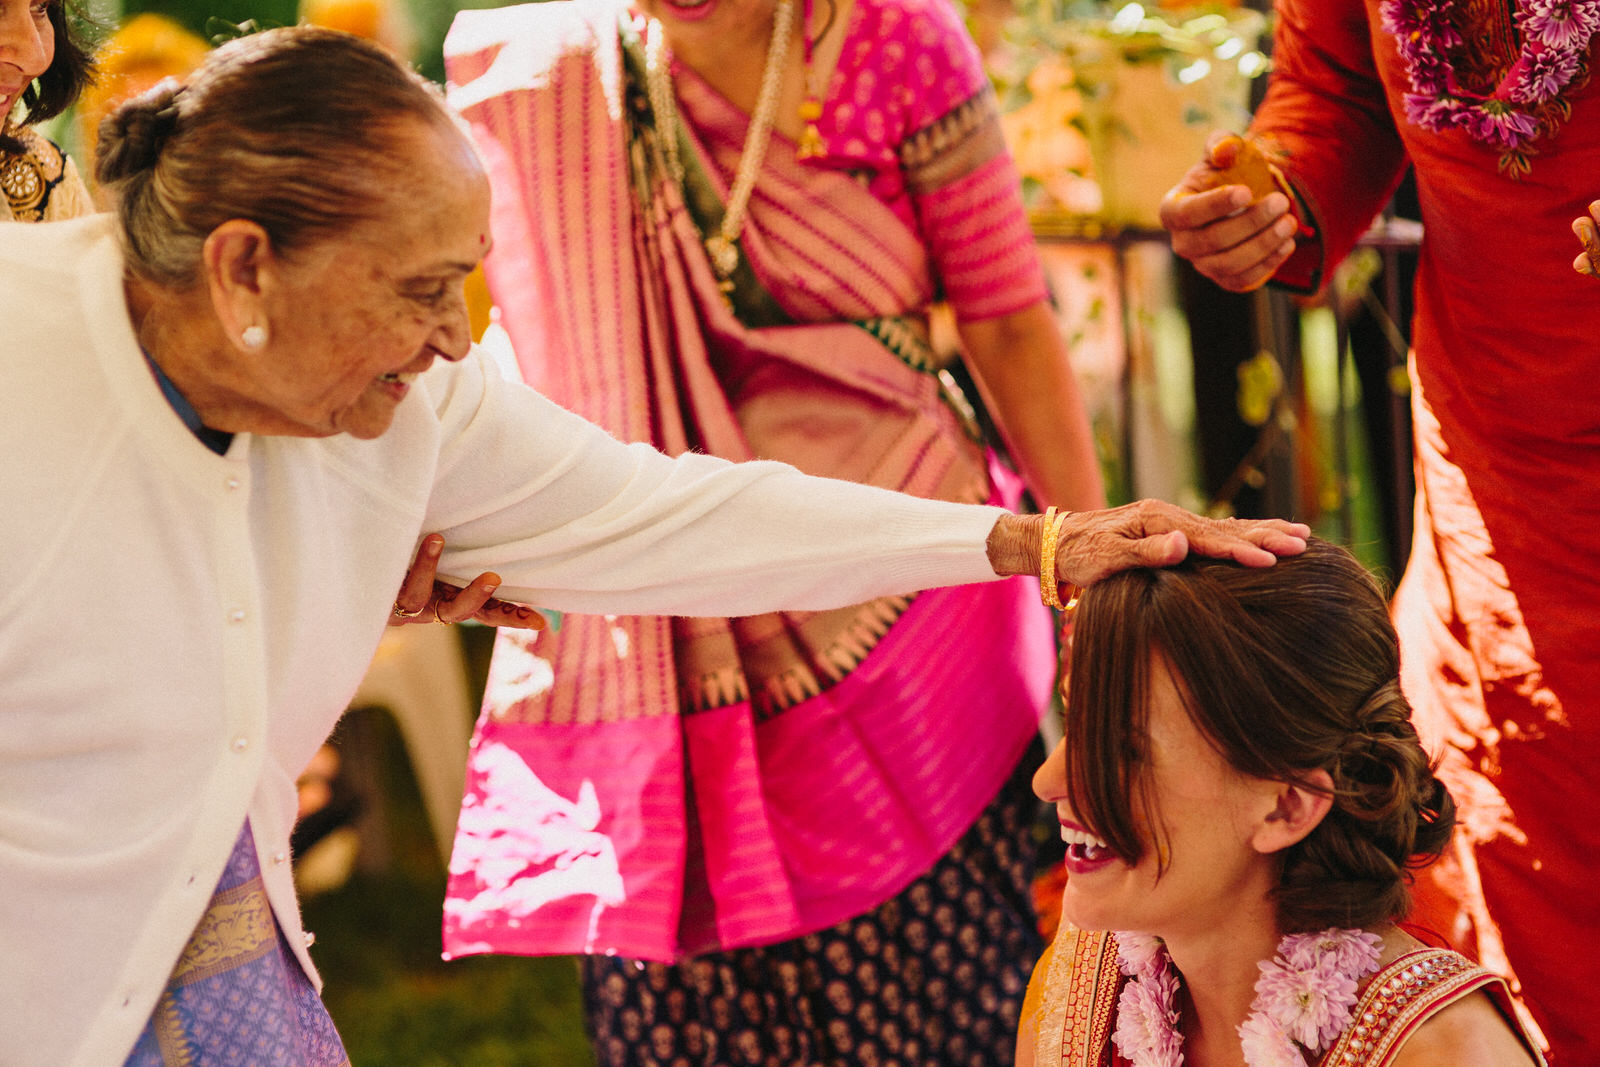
{"x": 241, "y": 743}
{"x": 311, "y": 938}
{"x": 233, "y": 483}
{"x": 278, "y": 857}
{"x": 236, "y": 615}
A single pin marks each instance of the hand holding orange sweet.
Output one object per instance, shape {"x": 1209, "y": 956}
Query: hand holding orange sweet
{"x": 1232, "y": 215}
{"x": 1236, "y": 161}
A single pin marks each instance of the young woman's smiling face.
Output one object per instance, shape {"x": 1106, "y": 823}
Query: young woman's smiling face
{"x": 1198, "y": 864}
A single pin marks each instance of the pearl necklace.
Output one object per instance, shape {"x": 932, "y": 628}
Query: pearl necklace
{"x": 1304, "y": 999}
{"x": 722, "y": 246}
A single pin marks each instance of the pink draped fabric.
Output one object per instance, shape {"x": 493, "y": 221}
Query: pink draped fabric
{"x": 659, "y": 788}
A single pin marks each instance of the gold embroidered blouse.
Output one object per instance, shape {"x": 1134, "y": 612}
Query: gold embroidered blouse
{"x": 40, "y": 184}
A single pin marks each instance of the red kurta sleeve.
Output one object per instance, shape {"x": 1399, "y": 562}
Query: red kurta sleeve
{"x": 1326, "y": 114}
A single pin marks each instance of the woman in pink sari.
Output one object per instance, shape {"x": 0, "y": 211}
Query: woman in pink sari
{"x": 722, "y": 226}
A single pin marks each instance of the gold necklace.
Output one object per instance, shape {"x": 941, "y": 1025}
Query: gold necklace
{"x": 722, "y": 246}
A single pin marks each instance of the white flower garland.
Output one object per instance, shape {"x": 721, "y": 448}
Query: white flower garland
{"x": 1304, "y": 999}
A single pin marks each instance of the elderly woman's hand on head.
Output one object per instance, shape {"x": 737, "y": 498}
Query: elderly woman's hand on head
{"x": 1148, "y": 533}
{"x": 1153, "y": 533}
{"x": 423, "y": 598}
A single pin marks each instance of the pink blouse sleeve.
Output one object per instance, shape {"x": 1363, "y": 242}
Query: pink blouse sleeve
{"x": 961, "y": 178}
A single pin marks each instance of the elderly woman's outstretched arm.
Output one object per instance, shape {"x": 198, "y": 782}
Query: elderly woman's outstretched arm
{"x": 577, "y": 521}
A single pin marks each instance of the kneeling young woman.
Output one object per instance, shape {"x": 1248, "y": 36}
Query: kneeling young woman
{"x": 1242, "y": 795}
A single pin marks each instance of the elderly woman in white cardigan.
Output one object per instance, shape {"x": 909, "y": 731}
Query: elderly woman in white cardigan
{"x": 251, "y": 391}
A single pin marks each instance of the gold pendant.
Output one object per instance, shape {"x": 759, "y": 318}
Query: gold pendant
{"x": 810, "y": 146}
{"x": 724, "y": 255}
{"x": 23, "y": 183}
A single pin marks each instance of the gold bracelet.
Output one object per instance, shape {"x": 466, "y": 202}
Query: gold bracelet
{"x": 1049, "y": 584}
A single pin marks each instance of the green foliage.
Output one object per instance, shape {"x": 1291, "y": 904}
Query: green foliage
{"x": 197, "y": 15}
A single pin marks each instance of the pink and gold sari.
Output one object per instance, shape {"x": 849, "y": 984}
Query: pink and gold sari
{"x": 661, "y": 787}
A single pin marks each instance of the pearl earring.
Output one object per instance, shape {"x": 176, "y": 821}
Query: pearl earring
{"x": 253, "y": 337}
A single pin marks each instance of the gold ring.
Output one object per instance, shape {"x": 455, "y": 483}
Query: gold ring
{"x": 436, "y": 618}
{"x": 402, "y": 613}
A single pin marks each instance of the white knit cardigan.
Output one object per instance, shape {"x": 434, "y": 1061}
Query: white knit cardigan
{"x": 182, "y": 629}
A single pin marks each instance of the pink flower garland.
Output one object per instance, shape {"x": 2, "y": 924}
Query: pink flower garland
{"x": 1304, "y": 999}
{"x": 1555, "y": 35}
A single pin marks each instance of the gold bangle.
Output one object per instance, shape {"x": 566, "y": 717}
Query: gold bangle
{"x": 1049, "y": 584}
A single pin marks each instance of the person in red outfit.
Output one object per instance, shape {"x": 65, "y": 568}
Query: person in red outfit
{"x": 1494, "y": 107}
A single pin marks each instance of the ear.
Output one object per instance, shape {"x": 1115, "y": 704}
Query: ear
{"x": 1296, "y": 808}
{"x": 239, "y": 267}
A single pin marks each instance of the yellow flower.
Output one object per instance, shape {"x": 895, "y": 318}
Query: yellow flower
{"x": 144, "y": 50}
{"x": 384, "y": 21}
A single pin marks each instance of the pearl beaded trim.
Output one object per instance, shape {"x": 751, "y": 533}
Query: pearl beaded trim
{"x": 1391, "y": 994}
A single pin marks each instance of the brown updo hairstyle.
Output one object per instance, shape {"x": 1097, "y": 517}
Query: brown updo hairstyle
{"x": 1285, "y": 669}
{"x": 293, "y": 129}
{"x": 72, "y": 69}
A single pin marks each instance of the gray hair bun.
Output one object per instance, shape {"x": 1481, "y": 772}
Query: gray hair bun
{"x": 132, "y": 136}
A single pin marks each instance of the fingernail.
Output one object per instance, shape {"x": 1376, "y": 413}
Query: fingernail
{"x": 490, "y": 588}
{"x": 1240, "y": 197}
{"x": 1285, "y": 226}
{"x": 434, "y": 545}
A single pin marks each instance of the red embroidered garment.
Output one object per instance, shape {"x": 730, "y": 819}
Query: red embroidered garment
{"x": 1495, "y": 613}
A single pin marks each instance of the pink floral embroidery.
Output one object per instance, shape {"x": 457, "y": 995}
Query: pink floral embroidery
{"x": 1555, "y": 35}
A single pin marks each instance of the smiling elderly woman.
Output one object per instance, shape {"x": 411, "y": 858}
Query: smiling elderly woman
{"x": 1243, "y": 797}
{"x": 234, "y": 407}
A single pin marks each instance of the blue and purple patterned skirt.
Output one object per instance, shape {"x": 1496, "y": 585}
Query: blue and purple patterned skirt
{"x": 237, "y": 994}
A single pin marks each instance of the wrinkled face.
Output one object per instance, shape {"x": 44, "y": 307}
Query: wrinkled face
{"x": 1206, "y": 812}
{"x": 358, "y": 318}
{"x": 27, "y": 47}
